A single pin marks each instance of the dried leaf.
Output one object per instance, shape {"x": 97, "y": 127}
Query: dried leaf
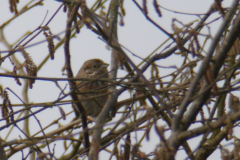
{"x": 65, "y": 8}
{"x": 122, "y": 8}
{"x": 137, "y": 153}
{"x": 236, "y": 150}
{"x": 30, "y": 67}
{"x": 219, "y": 7}
{"x": 62, "y": 112}
{"x": 192, "y": 49}
{"x": 42, "y": 156}
{"x": 75, "y": 24}
{"x": 5, "y": 106}
{"x": 49, "y": 36}
{"x": 202, "y": 116}
{"x": 145, "y": 11}
{"x": 121, "y": 22}
{"x": 15, "y": 73}
{"x": 157, "y": 9}
{"x": 13, "y": 6}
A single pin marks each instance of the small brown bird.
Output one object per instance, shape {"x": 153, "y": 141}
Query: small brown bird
{"x": 93, "y": 68}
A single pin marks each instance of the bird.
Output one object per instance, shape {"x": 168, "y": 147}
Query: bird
{"x": 95, "y": 69}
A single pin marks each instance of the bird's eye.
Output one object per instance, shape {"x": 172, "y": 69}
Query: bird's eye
{"x": 94, "y": 66}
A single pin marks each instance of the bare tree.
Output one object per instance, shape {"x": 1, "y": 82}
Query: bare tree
{"x": 190, "y": 101}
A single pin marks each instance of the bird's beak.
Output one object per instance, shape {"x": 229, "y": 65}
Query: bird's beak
{"x": 104, "y": 65}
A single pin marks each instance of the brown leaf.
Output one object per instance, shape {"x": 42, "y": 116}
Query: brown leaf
{"x": 13, "y": 6}
{"x": 62, "y": 112}
{"x": 145, "y": 11}
{"x": 49, "y": 36}
{"x": 157, "y": 9}
{"x": 15, "y": 73}
{"x": 30, "y": 67}
{"x": 5, "y": 107}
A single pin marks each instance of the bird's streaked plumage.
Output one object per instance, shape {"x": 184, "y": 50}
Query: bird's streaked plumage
{"x": 93, "y": 68}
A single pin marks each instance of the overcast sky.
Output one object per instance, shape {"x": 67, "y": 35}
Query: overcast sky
{"x": 138, "y": 35}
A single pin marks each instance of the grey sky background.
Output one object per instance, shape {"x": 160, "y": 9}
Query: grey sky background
{"x": 138, "y": 35}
